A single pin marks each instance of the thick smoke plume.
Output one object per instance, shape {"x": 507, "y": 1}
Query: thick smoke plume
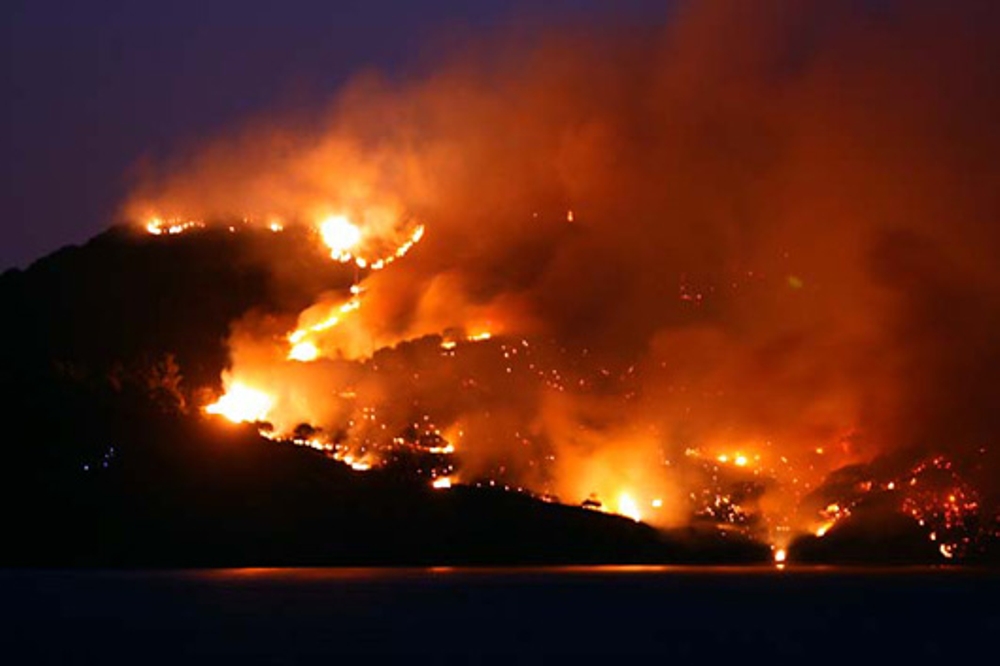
{"x": 759, "y": 232}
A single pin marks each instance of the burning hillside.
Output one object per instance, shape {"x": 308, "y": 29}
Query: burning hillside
{"x": 702, "y": 273}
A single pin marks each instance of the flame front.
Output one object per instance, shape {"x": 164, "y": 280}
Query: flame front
{"x": 305, "y": 340}
{"x": 242, "y": 404}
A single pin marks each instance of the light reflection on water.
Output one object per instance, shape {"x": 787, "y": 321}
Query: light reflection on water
{"x": 401, "y": 573}
{"x": 278, "y": 615}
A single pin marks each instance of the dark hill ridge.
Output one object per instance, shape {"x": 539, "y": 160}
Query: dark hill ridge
{"x": 200, "y": 493}
{"x": 127, "y": 298}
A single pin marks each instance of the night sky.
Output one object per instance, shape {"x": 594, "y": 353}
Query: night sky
{"x": 94, "y": 90}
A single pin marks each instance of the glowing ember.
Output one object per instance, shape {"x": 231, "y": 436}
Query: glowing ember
{"x": 441, "y": 482}
{"x": 242, "y": 404}
{"x": 780, "y": 555}
{"x": 442, "y": 450}
{"x": 359, "y": 465}
{"x": 737, "y": 459}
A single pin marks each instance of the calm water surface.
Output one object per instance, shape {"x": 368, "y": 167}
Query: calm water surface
{"x": 705, "y": 614}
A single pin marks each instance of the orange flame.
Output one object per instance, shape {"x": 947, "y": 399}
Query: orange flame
{"x": 340, "y": 235}
{"x": 242, "y": 404}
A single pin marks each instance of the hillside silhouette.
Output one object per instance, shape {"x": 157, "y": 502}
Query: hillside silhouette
{"x": 109, "y": 351}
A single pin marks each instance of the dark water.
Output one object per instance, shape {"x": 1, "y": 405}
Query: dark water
{"x": 712, "y": 615}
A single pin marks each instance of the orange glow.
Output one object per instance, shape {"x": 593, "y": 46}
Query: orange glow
{"x": 359, "y": 465}
{"x": 303, "y": 351}
{"x": 441, "y": 483}
{"x": 737, "y": 459}
{"x": 304, "y": 347}
{"x": 242, "y": 404}
{"x": 340, "y": 235}
{"x": 628, "y": 507}
{"x": 158, "y": 226}
{"x": 824, "y": 528}
{"x": 780, "y": 555}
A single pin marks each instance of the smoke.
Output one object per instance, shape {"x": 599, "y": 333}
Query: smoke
{"x": 764, "y": 231}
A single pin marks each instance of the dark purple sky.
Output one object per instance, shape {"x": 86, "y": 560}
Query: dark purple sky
{"x": 91, "y": 87}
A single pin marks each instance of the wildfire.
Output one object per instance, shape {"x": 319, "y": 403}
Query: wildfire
{"x": 725, "y": 496}
{"x": 345, "y": 239}
{"x": 357, "y": 464}
{"x": 158, "y": 226}
{"x": 340, "y": 235}
{"x": 449, "y": 344}
{"x": 566, "y": 314}
{"x": 938, "y": 498}
{"x": 824, "y": 528}
{"x": 446, "y": 449}
{"x": 305, "y": 349}
{"x": 830, "y": 516}
{"x": 739, "y": 459}
{"x": 242, "y": 404}
{"x": 628, "y": 507}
